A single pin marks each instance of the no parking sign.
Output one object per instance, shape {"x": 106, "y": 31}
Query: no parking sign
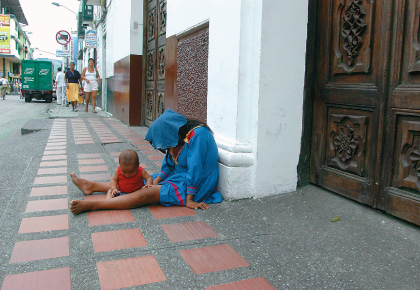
{"x": 63, "y": 37}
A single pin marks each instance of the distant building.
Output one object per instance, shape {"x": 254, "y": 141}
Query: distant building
{"x": 14, "y": 42}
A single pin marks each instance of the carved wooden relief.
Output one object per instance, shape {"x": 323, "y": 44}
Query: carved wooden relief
{"x": 161, "y": 63}
{"x": 151, "y": 25}
{"x": 352, "y": 29}
{"x": 150, "y": 65}
{"x": 413, "y": 21}
{"x": 408, "y": 154}
{"x": 149, "y": 105}
{"x": 160, "y": 108}
{"x": 162, "y": 18}
{"x": 346, "y": 142}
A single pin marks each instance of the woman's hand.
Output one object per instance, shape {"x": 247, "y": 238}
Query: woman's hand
{"x": 88, "y": 81}
{"x": 148, "y": 186}
{"x": 196, "y": 205}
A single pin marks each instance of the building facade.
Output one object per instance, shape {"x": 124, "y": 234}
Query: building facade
{"x": 294, "y": 93}
{"x": 14, "y": 46}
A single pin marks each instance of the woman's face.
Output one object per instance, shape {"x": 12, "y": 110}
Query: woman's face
{"x": 91, "y": 62}
{"x": 72, "y": 66}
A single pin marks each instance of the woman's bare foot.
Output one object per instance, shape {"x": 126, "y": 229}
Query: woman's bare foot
{"x": 78, "y": 206}
{"x": 82, "y": 184}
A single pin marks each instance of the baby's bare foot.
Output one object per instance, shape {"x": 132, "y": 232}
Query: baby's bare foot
{"x": 82, "y": 184}
{"x": 78, "y": 206}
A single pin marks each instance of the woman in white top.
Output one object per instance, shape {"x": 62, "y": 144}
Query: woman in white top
{"x": 91, "y": 76}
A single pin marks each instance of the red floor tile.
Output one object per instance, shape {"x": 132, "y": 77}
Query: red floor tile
{"x": 54, "y": 157}
{"x": 49, "y": 190}
{"x": 47, "y": 204}
{"x": 189, "y": 231}
{"x": 159, "y": 163}
{"x": 97, "y": 177}
{"x": 52, "y": 149}
{"x": 84, "y": 142}
{"x": 87, "y": 156}
{"x": 217, "y": 258}
{"x": 34, "y": 250}
{"x": 129, "y": 272}
{"x": 91, "y": 161}
{"x": 143, "y": 165}
{"x": 53, "y": 163}
{"x": 56, "y": 170}
{"x": 143, "y": 146}
{"x": 107, "y": 216}
{"x": 147, "y": 152}
{"x": 156, "y": 157}
{"x": 250, "y": 284}
{"x": 55, "y": 140}
{"x": 117, "y": 240}
{"x": 93, "y": 168}
{"x": 45, "y": 223}
{"x": 116, "y": 159}
{"x": 164, "y": 212}
{"x": 56, "y": 144}
{"x": 51, "y": 179}
{"x": 41, "y": 280}
{"x": 116, "y": 154}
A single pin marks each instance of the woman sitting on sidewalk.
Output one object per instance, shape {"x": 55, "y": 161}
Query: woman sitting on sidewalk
{"x": 189, "y": 172}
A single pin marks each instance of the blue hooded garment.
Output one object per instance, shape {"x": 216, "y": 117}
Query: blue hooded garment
{"x": 163, "y": 133}
{"x": 194, "y": 171}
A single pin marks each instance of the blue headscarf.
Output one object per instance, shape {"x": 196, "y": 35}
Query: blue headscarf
{"x": 163, "y": 133}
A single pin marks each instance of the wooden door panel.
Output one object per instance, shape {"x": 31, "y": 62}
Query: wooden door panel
{"x": 400, "y": 192}
{"x": 358, "y": 94}
{"x": 348, "y": 94}
{"x": 352, "y": 28}
{"x": 155, "y": 50}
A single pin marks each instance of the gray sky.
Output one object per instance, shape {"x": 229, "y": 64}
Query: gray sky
{"x": 45, "y": 20}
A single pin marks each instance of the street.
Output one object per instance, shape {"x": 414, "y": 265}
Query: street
{"x": 281, "y": 242}
{"x": 15, "y": 112}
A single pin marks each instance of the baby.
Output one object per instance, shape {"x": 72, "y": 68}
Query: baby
{"x": 129, "y": 175}
{"x": 128, "y": 178}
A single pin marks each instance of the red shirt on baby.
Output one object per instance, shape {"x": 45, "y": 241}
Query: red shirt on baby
{"x": 130, "y": 184}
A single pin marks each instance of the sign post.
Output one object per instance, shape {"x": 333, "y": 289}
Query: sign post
{"x": 63, "y": 37}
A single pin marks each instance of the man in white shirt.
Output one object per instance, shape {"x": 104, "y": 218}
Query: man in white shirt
{"x": 4, "y": 85}
{"x": 60, "y": 84}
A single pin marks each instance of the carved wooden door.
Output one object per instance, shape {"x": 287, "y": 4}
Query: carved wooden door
{"x": 348, "y": 95}
{"x": 155, "y": 44}
{"x": 400, "y": 189}
{"x": 366, "y": 124}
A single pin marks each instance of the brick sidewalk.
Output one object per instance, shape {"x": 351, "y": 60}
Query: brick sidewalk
{"x": 153, "y": 246}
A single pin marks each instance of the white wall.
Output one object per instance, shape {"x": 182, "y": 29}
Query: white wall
{"x": 136, "y": 27}
{"x": 283, "y": 49}
{"x": 255, "y": 88}
{"x": 124, "y": 36}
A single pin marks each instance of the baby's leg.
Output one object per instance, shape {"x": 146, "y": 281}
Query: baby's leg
{"x": 135, "y": 199}
{"x": 88, "y": 187}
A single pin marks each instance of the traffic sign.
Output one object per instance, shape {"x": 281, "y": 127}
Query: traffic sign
{"x": 63, "y": 37}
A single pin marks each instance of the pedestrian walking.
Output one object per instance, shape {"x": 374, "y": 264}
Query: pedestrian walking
{"x": 60, "y": 85}
{"x": 73, "y": 81}
{"x": 91, "y": 76}
{"x": 4, "y": 86}
{"x": 12, "y": 88}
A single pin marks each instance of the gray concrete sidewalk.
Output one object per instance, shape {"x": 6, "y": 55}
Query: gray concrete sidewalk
{"x": 288, "y": 240}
